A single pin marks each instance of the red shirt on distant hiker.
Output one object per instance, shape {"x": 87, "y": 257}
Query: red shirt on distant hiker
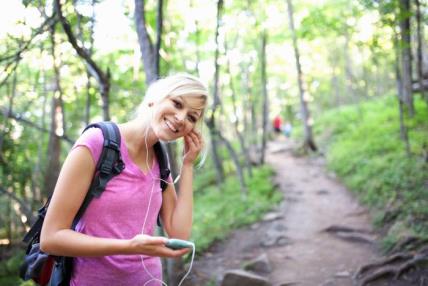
{"x": 277, "y": 123}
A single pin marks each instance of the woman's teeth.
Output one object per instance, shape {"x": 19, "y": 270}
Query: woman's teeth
{"x": 170, "y": 126}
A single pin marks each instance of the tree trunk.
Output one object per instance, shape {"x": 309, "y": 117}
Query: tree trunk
{"x": 400, "y": 88}
{"x": 5, "y": 124}
{"x": 265, "y": 113}
{"x": 36, "y": 196}
{"x": 235, "y": 159}
{"x": 211, "y": 121}
{"x": 419, "y": 57}
{"x": 406, "y": 60}
{"x": 88, "y": 74}
{"x": 244, "y": 149}
{"x": 54, "y": 146}
{"x": 147, "y": 49}
{"x": 197, "y": 40}
{"x": 403, "y": 128}
{"x": 246, "y": 98}
{"x": 309, "y": 142}
{"x": 348, "y": 70}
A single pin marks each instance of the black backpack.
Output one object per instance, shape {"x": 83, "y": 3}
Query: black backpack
{"x": 47, "y": 269}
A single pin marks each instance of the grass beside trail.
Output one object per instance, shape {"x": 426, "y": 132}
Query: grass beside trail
{"x": 363, "y": 147}
{"x": 218, "y": 211}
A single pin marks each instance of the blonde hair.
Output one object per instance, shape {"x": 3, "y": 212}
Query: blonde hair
{"x": 173, "y": 86}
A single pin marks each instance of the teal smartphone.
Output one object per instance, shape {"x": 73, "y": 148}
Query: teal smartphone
{"x": 175, "y": 244}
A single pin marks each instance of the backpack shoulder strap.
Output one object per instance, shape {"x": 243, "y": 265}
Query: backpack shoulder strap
{"x": 164, "y": 170}
{"x": 163, "y": 160}
{"x": 109, "y": 164}
{"x": 34, "y": 232}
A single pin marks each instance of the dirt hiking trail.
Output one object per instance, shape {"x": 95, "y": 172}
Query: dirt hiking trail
{"x": 318, "y": 235}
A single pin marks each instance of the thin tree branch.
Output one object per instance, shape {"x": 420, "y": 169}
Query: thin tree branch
{"x": 6, "y": 113}
{"x": 15, "y": 58}
{"x": 95, "y": 71}
{"x": 40, "y": 30}
{"x": 23, "y": 205}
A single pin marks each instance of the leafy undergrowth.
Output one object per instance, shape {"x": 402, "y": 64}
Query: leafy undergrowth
{"x": 218, "y": 211}
{"x": 363, "y": 147}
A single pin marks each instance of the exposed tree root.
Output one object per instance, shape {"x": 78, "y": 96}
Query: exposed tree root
{"x": 410, "y": 243}
{"x": 351, "y": 234}
{"x": 341, "y": 228}
{"x": 393, "y": 266}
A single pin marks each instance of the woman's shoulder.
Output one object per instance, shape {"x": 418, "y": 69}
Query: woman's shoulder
{"x": 92, "y": 134}
{"x": 93, "y": 140}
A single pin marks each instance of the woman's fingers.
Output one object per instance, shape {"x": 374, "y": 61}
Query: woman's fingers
{"x": 196, "y": 139}
{"x": 193, "y": 145}
{"x": 155, "y": 246}
{"x": 167, "y": 252}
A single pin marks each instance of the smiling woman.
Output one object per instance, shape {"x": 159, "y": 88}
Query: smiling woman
{"x": 113, "y": 242}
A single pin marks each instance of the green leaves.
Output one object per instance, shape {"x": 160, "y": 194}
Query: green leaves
{"x": 365, "y": 150}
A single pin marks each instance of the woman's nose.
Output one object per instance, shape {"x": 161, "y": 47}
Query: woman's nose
{"x": 180, "y": 116}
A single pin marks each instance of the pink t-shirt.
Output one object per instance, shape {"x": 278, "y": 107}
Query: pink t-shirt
{"x": 119, "y": 213}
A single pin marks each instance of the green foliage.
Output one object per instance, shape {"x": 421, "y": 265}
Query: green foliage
{"x": 329, "y": 19}
{"x": 365, "y": 150}
{"x": 9, "y": 269}
{"x": 218, "y": 211}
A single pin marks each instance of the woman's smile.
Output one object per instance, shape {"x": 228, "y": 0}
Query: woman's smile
{"x": 171, "y": 126}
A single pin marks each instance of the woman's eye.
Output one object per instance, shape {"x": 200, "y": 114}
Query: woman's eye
{"x": 177, "y": 104}
{"x": 192, "y": 118}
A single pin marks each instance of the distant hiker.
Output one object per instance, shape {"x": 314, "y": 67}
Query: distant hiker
{"x": 286, "y": 128}
{"x": 113, "y": 243}
{"x": 277, "y": 122}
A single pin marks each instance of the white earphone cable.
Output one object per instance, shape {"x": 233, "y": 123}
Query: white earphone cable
{"x": 154, "y": 179}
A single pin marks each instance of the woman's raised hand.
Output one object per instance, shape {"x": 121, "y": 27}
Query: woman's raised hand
{"x": 193, "y": 144}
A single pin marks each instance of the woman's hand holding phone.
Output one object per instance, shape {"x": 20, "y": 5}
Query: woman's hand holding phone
{"x": 155, "y": 246}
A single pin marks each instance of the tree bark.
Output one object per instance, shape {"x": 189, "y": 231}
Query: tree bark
{"x": 148, "y": 51}
{"x": 211, "y": 121}
{"x": 244, "y": 149}
{"x": 406, "y": 57}
{"x": 197, "y": 40}
{"x": 235, "y": 159}
{"x": 265, "y": 111}
{"x": 54, "y": 146}
{"x": 400, "y": 88}
{"x": 88, "y": 103}
{"x": 403, "y": 128}
{"x": 419, "y": 56}
{"x": 350, "y": 79}
{"x": 309, "y": 142}
{"x": 159, "y": 28}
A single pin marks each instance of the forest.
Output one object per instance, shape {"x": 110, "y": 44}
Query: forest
{"x": 350, "y": 77}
